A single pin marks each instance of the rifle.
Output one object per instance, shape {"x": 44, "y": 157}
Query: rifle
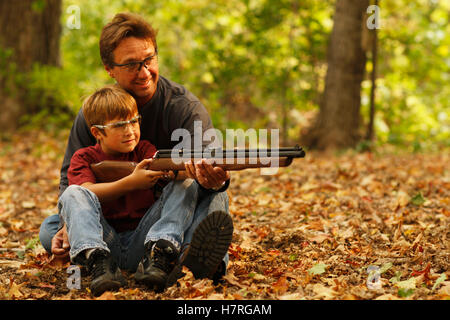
{"x": 227, "y": 159}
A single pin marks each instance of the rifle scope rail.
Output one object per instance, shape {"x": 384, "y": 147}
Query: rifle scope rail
{"x": 289, "y": 152}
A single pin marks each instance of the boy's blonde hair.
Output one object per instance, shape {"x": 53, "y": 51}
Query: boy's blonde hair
{"x": 108, "y": 103}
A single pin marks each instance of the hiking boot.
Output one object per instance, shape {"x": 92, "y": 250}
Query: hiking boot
{"x": 159, "y": 260}
{"x": 105, "y": 273}
{"x": 209, "y": 245}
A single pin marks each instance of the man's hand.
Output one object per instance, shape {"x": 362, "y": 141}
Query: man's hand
{"x": 60, "y": 244}
{"x": 207, "y": 176}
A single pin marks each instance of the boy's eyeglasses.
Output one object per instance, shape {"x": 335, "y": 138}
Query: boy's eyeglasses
{"x": 136, "y": 66}
{"x": 121, "y": 125}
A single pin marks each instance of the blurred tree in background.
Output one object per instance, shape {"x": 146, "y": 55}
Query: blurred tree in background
{"x": 29, "y": 34}
{"x": 337, "y": 124}
{"x": 263, "y": 64}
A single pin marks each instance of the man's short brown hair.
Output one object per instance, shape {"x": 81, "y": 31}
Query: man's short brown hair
{"x": 123, "y": 25}
{"x": 108, "y": 103}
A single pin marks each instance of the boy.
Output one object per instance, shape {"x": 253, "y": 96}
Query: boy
{"x": 115, "y": 224}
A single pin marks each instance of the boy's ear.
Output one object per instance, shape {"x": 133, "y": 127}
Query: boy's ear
{"x": 97, "y": 133}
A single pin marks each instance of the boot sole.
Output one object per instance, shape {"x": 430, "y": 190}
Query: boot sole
{"x": 151, "y": 282}
{"x": 100, "y": 288}
{"x": 209, "y": 245}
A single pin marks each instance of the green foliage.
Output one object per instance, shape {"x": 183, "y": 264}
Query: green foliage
{"x": 262, "y": 63}
{"x": 52, "y": 97}
{"x": 412, "y": 88}
{"x": 7, "y": 68}
{"x": 38, "y": 6}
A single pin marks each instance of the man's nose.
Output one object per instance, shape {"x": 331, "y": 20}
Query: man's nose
{"x": 144, "y": 72}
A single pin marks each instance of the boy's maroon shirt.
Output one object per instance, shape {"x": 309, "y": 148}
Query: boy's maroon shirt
{"x": 125, "y": 212}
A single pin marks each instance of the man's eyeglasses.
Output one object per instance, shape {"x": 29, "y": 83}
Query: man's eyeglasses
{"x": 121, "y": 125}
{"x": 136, "y": 66}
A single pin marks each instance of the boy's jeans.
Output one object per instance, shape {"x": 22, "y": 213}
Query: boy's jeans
{"x": 174, "y": 217}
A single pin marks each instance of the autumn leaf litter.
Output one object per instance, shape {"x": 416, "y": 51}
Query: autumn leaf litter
{"x": 353, "y": 226}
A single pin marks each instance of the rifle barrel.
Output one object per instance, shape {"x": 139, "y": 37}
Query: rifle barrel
{"x": 295, "y": 152}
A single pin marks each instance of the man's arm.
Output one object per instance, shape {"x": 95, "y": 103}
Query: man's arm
{"x": 80, "y": 137}
{"x": 209, "y": 177}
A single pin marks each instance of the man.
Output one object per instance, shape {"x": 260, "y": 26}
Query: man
{"x": 129, "y": 53}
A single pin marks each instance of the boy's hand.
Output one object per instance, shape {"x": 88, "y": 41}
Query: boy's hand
{"x": 144, "y": 178}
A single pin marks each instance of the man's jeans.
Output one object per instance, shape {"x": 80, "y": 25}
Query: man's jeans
{"x": 174, "y": 217}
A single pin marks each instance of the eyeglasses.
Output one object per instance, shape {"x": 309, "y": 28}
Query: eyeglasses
{"x": 121, "y": 125}
{"x": 136, "y": 66}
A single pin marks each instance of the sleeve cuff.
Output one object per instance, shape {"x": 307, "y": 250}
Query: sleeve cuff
{"x": 222, "y": 189}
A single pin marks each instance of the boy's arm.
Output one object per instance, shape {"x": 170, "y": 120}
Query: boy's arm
{"x": 140, "y": 179}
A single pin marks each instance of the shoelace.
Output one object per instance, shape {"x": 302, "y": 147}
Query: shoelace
{"x": 160, "y": 259}
{"x": 99, "y": 265}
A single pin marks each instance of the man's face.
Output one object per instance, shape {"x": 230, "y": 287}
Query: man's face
{"x": 141, "y": 84}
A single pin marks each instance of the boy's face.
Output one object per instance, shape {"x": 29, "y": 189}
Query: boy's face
{"x": 118, "y": 136}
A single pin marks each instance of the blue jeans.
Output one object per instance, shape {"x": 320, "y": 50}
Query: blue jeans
{"x": 174, "y": 217}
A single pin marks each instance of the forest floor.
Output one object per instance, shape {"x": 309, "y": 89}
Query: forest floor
{"x": 349, "y": 226}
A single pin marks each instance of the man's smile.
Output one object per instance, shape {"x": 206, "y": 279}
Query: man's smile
{"x": 144, "y": 83}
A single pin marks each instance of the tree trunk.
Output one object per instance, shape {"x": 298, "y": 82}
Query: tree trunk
{"x": 370, "y": 135}
{"x": 337, "y": 124}
{"x": 32, "y": 30}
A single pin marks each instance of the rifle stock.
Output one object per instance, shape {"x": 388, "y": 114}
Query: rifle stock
{"x": 229, "y": 160}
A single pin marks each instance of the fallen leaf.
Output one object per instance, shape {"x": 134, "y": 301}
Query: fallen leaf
{"x": 400, "y": 201}
{"x": 323, "y": 292}
{"x": 418, "y": 199}
{"x": 439, "y": 280}
{"x": 317, "y": 269}
{"x": 385, "y": 267}
{"x": 57, "y": 263}
{"x": 445, "y": 289}
{"x": 404, "y": 293}
{"x": 387, "y": 296}
{"x": 231, "y": 278}
{"x": 280, "y": 286}
{"x": 28, "y": 204}
{"x": 347, "y": 233}
{"x": 320, "y": 238}
{"x": 14, "y": 289}
{"x": 3, "y": 232}
{"x": 425, "y": 272}
{"x": 46, "y": 285}
{"x": 407, "y": 284}
{"x": 107, "y": 295}
{"x": 292, "y": 296}
{"x": 11, "y": 263}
